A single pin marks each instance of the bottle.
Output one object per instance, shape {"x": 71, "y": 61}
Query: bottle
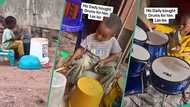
{"x": 26, "y": 42}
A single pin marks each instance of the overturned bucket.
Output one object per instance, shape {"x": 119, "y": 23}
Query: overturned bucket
{"x": 39, "y": 48}
{"x": 88, "y": 93}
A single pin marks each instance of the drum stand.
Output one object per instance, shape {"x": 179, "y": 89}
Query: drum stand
{"x": 163, "y": 100}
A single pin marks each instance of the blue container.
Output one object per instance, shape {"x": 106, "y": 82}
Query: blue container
{"x": 29, "y": 62}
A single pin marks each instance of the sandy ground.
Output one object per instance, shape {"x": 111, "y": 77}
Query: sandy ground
{"x": 20, "y": 88}
{"x": 24, "y": 88}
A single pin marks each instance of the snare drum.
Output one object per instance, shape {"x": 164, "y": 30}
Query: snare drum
{"x": 139, "y": 57}
{"x": 170, "y": 75}
{"x": 140, "y": 36}
{"x": 156, "y": 44}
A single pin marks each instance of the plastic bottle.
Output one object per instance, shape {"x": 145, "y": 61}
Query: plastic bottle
{"x": 26, "y": 42}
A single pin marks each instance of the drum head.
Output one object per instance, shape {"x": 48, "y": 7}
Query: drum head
{"x": 140, "y": 34}
{"x": 140, "y": 53}
{"x": 171, "y": 69}
{"x": 157, "y": 38}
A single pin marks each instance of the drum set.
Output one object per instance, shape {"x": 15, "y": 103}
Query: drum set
{"x": 150, "y": 65}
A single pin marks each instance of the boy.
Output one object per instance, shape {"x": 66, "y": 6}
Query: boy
{"x": 8, "y": 40}
{"x": 104, "y": 45}
{"x": 181, "y": 40}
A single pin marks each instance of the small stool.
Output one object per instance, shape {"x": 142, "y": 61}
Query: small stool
{"x": 88, "y": 93}
{"x": 9, "y": 54}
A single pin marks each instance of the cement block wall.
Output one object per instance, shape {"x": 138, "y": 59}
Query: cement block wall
{"x": 41, "y": 13}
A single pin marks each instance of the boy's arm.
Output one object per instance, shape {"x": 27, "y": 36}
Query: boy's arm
{"x": 76, "y": 54}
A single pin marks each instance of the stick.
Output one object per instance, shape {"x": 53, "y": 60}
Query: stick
{"x": 59, "y": 69}
{"x": 121, "y": 6}
{"x": 126, "y": 48}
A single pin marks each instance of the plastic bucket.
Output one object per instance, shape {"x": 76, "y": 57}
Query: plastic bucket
{"x": 88, "y": 93}
{"x": 39, "y": 48}
{"x": 57, "y": 90}
{"x": 90, "y": 74}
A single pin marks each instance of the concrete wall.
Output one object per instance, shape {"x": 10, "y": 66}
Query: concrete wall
{"x": 41, "y": 13}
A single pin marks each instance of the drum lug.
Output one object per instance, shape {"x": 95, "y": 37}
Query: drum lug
{"x": 162, "y": 85}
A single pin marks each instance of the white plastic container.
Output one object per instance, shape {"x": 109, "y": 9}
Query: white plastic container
{"x": 57, "y": 90}
{"x": 39, "y": 48}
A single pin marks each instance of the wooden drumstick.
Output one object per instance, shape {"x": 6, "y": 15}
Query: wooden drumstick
{"x": 121, "y": 6}
{"x": 149, "y": 27}
{"x": 59, "y": 69}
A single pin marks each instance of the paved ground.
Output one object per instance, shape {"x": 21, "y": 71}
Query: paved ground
{"x": 153, "y": 98}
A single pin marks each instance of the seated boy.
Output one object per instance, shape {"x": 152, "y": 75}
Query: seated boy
{"x": 8, "y": 39}
{"x": 180, "y": 47}
{"x": 102, "y": 44}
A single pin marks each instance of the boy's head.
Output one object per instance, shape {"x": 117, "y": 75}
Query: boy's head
{"x": 10, "y": 22}
{"x": 185, "y": 19}
{"x": 108, "y": 28}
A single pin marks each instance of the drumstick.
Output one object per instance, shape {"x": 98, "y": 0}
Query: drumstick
{"x": 121, "y": 6}
{"x": 129, "y": 42}
{"x": 150, "y": 29}
{"x": 125, "y": 20}
{"x": 59, "y": 69}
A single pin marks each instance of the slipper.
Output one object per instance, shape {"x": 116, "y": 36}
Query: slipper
{"x": 47, "y": 65}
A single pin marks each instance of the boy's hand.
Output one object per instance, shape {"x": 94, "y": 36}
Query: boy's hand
{"x": 187, "y": 53}
{"x": 67, "y": 64}
{"x": 101, "y": 63}
{"x": 177, "y": 48}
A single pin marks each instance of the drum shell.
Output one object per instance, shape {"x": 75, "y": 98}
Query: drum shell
{"x": 136, "y": 66}
{"x": 168, "y": 87}
{"x": 156, "y": 51}
{"x": 136, "y": 84}
{"x": 139, "y": 42}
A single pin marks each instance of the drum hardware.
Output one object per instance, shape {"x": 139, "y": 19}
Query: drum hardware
{"x": 164, "y": 99}
{"x": 134, "y": 102}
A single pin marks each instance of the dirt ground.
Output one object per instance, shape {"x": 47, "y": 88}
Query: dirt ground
{"x": 20, "y": 88}
{"x": 25, "y": 88}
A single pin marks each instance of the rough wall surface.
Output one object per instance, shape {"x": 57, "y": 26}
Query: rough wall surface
{"x": 41, "y": 13}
